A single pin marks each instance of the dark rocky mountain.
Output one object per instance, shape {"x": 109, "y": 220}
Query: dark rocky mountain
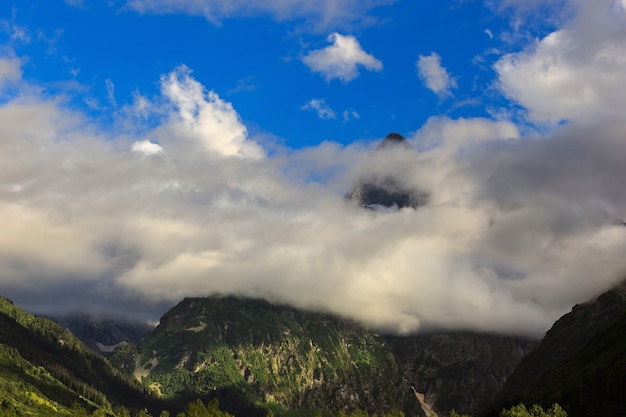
{"x": 104, "y": 334}
{"x": 458, "y": 371}
{"x": 580, "y": 364}
{"x": 385, "y": 189}
{"x": 270, "y": 355}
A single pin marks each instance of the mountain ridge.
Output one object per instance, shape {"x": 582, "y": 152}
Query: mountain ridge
{"x": 287, "y": 358}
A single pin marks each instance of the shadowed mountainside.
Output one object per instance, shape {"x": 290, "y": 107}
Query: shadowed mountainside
{"x": 580, "y": 364}
{"x": 458, "y": 371}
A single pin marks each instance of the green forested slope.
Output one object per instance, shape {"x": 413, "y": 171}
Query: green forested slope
{"x": 43, "y": 365}
{"x": 279, "y": 356}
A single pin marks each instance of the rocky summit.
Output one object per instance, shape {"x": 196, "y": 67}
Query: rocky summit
{"x": 395, "y": 139}
{"x": 387, "y": 188}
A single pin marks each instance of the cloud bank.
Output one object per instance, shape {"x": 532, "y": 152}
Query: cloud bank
{"x": 574, "y": 73}
{"x": 516, "y": 231}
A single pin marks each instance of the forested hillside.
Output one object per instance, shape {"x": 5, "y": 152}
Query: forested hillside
{"x": 268, "y": 355}
{"x": 46, "y": 371}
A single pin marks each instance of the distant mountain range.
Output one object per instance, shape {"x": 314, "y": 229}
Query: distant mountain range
{"x": 104, "y": 334}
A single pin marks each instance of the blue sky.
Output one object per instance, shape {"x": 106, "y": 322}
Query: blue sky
{"x": 257, "y": 62}
{"x": 157, "y": 149}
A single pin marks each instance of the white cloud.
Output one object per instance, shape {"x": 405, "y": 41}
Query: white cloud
{"x": 574, "y": 73}
{"x": 146, "y": 147}
{"x": 322, "y": 109}
{"x": 201, "y": 119}
{"x": 513, "y": 230}
{"x": 434, "y": 75}
{"x": 341, "y": 59}
{"x": 442, "y": 133}
{"x": 319, "y": 15}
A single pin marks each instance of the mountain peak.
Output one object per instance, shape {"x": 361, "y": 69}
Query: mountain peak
{"x": 394, "y": 139}
{"x": 385, "y": 183}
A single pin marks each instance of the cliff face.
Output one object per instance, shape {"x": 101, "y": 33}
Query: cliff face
{"x": 458, "y": 370}
{"x": 269, "y": 354}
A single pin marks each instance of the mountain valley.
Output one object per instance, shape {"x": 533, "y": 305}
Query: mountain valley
{"x": 257, "y": 358}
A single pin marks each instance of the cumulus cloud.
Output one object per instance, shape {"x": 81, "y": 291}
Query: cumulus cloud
{"x": 434, "y": 75}
{"x": 575, "y": 72}
{"x": 322, "y": 109}
{"x": 342, "y": 59}
{"x": 319, "y": 15}
{"x": 202, "y": 119}
{"x": 516, "y": 231}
